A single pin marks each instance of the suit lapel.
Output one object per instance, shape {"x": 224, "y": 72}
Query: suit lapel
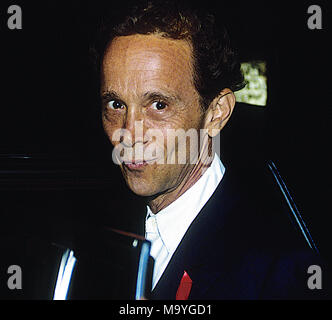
{"x": 201, "y": 248}
{"x": 243, "y": 220}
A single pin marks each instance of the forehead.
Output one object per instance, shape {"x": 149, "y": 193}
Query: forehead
{"x": 148, "y": 58}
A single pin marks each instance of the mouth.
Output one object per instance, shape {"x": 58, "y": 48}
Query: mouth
{"x": 137, "y": 164}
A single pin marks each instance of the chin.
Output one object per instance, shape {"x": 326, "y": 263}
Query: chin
{"x": 141, "y": 189}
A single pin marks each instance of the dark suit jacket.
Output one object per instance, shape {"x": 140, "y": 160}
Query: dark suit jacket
{"x": 242, "y": 245}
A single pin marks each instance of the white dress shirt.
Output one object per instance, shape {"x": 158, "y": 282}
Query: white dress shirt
{"x": 166, "y": 229}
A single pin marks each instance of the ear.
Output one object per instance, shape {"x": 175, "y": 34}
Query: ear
{"x": 219, "y": 112}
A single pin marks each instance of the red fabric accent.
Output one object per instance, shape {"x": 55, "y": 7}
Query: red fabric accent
{"x": 184, "y": 287}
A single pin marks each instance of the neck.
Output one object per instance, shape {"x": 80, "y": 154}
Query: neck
{"x": 197, "y": 170}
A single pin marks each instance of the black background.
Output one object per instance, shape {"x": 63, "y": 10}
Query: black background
{"x": 49, "y": 105}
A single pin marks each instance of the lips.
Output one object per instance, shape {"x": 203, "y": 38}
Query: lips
{"x": 137, "y": 164}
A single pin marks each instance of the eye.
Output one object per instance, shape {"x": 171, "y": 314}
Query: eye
{"x": 159, "y": 105}
{"x": 115, "y": 104}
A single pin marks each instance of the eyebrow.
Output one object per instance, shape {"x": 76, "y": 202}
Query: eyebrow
{"x": 149, "y": 95}
{"x": 154, "y": 95}
{"x": 110, "y": 94}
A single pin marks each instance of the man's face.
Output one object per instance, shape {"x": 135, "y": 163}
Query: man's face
{"x": 148, "y": 80}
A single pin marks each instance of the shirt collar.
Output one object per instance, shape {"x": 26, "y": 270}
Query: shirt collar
{"x": 172, "y": 222}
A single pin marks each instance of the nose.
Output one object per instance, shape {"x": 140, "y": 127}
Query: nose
{"x": 133, "y": 126}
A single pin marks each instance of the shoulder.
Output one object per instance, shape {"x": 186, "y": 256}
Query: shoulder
{"x": 262, "y": 275}
{"x": 290, "y": 275}
{"x": 261, "y": 254}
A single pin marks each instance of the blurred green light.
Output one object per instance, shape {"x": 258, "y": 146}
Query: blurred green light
{"x": 255, "y": 91}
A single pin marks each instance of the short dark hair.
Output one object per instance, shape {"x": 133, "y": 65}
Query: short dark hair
{"x": 215, "y": 61}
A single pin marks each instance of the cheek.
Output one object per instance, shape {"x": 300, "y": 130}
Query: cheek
{"x": 110, "y": 126}
{"x": 183, "y": 122}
